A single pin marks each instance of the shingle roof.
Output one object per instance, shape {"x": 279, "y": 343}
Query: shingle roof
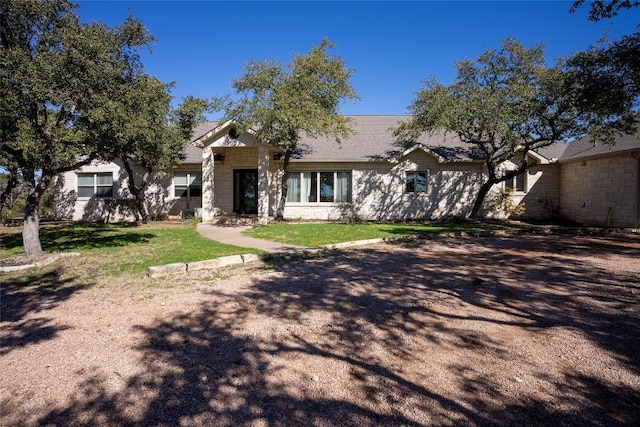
{"x": 202, "y": 128}
{"x": 193, "y": 154}
{"x": 583, "y": 148}
{"x": 373, "y": 140}
{"x": 554, "y": 151}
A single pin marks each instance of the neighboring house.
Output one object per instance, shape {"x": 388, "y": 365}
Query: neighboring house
{"x": 368, "y": 176}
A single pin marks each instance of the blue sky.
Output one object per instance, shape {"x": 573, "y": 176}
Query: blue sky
{"x": 393, "y": 46}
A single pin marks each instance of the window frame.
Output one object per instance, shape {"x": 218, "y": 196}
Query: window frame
{"x": 95, "y": 185}
{"x": 414, "y": 182}
{"x": 512, "y": 184}
{"x": 315, "y": 185}
{"x": 189, "y": 186}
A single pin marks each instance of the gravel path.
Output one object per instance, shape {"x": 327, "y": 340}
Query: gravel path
{"x": 506, "y": 331}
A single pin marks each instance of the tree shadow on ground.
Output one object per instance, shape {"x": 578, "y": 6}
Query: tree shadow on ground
{"x": 22, "y": 300}
{"x": 379, "y": 321}
{"x": 81, "y": 236}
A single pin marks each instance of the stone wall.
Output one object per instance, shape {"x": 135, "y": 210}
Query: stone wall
{"x": 378, "y": 190}
{"x": 542, "y": 199}
{"x": 120, "y": 207}
{"x": 602, "y": 192}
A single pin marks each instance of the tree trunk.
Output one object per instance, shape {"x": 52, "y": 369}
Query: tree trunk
{"x": 137, "y": 193}
{"x": 482, "y": 192}
{"x": 31, "y": 228}
{"x": 284, "y": 185}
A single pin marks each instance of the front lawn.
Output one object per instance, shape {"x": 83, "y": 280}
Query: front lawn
{"x": 318, "y": 234}
{"x": 123, "y": 248}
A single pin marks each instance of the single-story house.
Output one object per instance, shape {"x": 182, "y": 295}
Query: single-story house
{"x": 367, "y": 176}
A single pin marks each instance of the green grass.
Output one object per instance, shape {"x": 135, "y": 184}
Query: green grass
{"x": 318, "y": 234}
{"x": 118, "y": 249}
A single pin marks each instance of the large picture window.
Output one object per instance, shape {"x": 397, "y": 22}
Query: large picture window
{"x": 516, "y": 183}
{"x": 95, "y": 184}
{"x": 311, "y": 187}
{"x": 187, "y": 184}
{"x": 416, "y": 182}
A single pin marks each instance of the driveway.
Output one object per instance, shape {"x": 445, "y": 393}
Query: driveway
{"x": 504, "y": 331}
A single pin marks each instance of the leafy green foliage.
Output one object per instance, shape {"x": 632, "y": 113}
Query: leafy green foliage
{"x": 72, "y": 93}
{"x": 507, "y": 103}
{"x": 607, "y": 83}
{"x": 603, "y": 9}
{"x": 607, "y": 76}
{"x": 282, "y": 102}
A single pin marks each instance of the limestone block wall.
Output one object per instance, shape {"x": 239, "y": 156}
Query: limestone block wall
{"x": 120, "y": 207}
{"x": 237, "y": 158}
{"x": 601, "y": 192}
{"x": 378, "y": 190}
{"x": 542, "y": 198}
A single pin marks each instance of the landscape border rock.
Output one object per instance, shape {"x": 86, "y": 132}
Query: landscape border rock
{"x": 167, "y": 270}
{"x": 40, "y": 263}
{"x": 215, "y": 263}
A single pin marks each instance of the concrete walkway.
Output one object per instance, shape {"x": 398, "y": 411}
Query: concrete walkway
{"x": 232, "y": 235}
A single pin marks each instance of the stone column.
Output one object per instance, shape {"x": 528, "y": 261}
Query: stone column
{"x": 208, "y": 210}
{"x": 263, "y": 184}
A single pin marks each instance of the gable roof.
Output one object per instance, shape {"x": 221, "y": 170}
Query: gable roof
{"x": 584, "y": 148}
{"x": 193, "y": 153}
{"x": 373, "y": 140}
{"x": 553, "y": 152}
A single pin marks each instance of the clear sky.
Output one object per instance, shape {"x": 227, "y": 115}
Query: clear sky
{"x": 392, "y": 46}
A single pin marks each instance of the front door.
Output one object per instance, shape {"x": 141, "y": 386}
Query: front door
{"x": 245, "y": 191}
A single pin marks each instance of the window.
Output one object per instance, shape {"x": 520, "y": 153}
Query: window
{"x": 95, "y": 184}
{"x": 187, "y": 184}
{"x": 319, "y": 187}
{"x": 416, "y": 182}
{"x": 516, "y": 183}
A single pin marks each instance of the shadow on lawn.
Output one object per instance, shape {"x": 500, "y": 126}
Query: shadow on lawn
{"x": 82, "y": 236}
{"x": 23, "y": 298}
{"x": 223, "y": 363}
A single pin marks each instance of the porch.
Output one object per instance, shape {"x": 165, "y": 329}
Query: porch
{"x": 239, "y": 182}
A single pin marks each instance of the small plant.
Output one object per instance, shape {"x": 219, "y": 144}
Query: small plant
{"x": 502, "y": 203}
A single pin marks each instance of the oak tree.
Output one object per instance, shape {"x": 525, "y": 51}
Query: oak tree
{"x": 284, "y": 102}
{"x": 607, "y": 76}
{"x": 71, "y": 93}
{"x": 506, "y": 103}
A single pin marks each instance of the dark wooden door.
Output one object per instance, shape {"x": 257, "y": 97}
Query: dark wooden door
{"x": 245, "y": 191}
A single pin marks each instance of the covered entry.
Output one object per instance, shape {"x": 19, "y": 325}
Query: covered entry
{"x": 245, "y": 191}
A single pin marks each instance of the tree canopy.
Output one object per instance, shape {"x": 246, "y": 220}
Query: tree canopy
{"x": 283, "y": 102}
{"x": 606, "y": 80}
{"x": 507, "y": 103}
{"x": 72, "y": 93}
{"x": 603, "y": 9}
{"x": 607, "y": 76}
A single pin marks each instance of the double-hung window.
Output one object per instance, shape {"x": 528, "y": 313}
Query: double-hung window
{"x": 95, "y": 184}
{"x": 312, "y": 187}
{"x": 416, "y": 182}
{"x": 516, "y": 183}
{"x": 187, "y": 184}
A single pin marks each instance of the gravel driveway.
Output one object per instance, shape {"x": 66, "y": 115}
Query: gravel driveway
{"x": 505, "y": 331}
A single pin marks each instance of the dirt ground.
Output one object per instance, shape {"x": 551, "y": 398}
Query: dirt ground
{"x": 505, "y": 331}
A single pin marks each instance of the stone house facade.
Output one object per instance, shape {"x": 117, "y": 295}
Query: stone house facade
{"x": 368, "y": 177}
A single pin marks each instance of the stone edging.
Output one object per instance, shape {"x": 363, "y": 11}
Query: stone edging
{"x": 215, "y": 263}
{"x": 41, "y": 263}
